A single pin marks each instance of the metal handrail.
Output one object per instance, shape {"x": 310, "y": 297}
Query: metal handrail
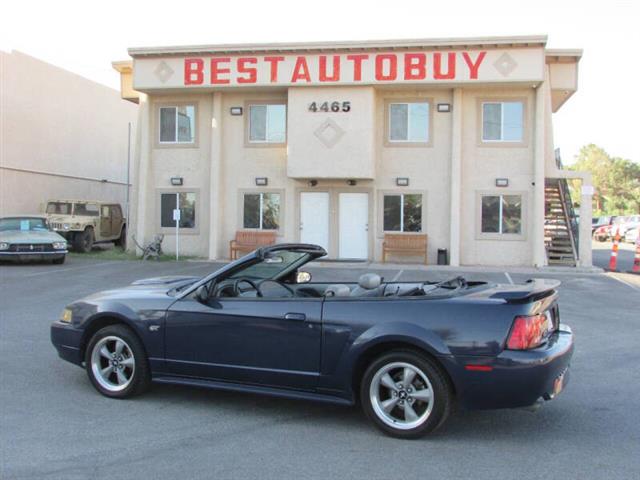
{"x": 567, "y": 206}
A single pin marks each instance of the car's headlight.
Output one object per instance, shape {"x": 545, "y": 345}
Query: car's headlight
{"x": 65, "y": 226}
{"x": 59, "y": 245}
{"x": 4, "y": 246}
{"x": 66, "y": 315}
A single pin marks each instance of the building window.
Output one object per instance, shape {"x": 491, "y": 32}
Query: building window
{"x": 177, "y": 124}
{"x": 403, "y": 213}
{"x": 261, "y": 211}
{"x": 409, "y": 122}
{"x": 502, "y": 121}
{"x": 502, "y": 214}
{"x": 267, "y": 123}
{"x": 187, "y": 209}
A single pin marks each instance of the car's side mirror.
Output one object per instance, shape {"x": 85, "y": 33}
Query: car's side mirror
{"x": 202, "y": 294}
{"x": 303, "y": 277}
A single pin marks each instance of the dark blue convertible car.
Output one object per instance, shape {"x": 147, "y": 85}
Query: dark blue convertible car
{"x": 408, "y": 352}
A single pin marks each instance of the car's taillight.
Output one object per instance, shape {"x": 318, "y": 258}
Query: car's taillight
{"x": 528, "y": 332}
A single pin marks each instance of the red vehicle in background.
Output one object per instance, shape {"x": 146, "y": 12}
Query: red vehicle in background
{"x": 616, "y": 224}
{"x": 601, "y": 230}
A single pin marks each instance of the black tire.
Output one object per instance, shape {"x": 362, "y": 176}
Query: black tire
{"x": 59, "y": 261}
{"x": 140, "y": 378}
{"x": 441, "y": 395}
{"x": 83, "y": 241}
{"x": 122, "y": 240}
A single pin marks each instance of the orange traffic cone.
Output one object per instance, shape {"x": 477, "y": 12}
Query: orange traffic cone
{"x": 613, "y": 261}
{"x": 636, "y": 259}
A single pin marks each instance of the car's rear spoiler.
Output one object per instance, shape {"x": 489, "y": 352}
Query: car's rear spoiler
{"x": 532, "y": 289}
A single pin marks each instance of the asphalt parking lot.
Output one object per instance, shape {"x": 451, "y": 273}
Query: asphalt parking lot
{"x": 55, "y": 425}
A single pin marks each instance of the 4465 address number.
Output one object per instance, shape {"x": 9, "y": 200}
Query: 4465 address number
{"x": 330, "y": 106}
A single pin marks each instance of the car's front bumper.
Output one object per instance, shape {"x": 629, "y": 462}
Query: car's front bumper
{"x": 32, "y": 256}
{"x": 67, "y": 341}
{"x": 514, "y": 378}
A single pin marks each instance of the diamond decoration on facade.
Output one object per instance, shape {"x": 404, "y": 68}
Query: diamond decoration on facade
{"x": 505, "y": 64}
{"x": 163, "y": 71}
{"x": 329, "y": 133}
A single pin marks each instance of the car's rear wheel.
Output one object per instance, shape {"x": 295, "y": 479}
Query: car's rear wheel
{"x": 405, "y": 394}
{"x": 122, "y": 240}
{"x": 116, "y": 362}
{"x": 83, "y": 241}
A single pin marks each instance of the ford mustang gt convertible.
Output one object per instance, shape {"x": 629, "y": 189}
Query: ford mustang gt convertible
{"x": 407, "y": 352}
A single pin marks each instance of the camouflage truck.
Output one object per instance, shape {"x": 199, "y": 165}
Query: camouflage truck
{"x": 84, "y": 222}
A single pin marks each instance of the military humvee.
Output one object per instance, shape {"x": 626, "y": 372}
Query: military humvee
{"x": 84, "y": 222}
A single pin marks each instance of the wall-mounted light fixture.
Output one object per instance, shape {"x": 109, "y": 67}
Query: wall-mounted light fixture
{"x": 502, "y": 182}
{"x": 313, "y": 183}
{"x": 352, "y": 183}
{"x": 262, "y": 181}
{"x": 444, "y": 107}
{"x": 176, "y": 181}
{"x": 402, "y": 181}
{"x": 235, "y": 110}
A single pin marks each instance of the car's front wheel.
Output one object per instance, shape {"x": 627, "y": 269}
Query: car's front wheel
{"x": 58, "y": 261}
{"x": 116, "y": 362}
{"x": 83, "y": 241}
{"x": 405, "y": 394}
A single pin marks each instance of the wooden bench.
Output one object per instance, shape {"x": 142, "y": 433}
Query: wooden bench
{"x": 249, "y": 240}
{"x": 405, "y": 243}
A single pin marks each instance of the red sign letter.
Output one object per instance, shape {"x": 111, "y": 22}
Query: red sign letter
{"x": 393, "y": 67}
{"x": 274, "y": 67}
{"x": 193, "y": 71}
{"x": 242, "y": 68}
{"x": 323, "y": 69}
{"x": 415, "y": 66}
{"x": 215, "y": 70}
{"x": 357, "y": 65}
{"x": 301, "y": 71}
{"x": 451, "y": 66}
{"x": 473, "y": 66}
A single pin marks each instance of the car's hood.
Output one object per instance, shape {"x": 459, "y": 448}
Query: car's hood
{"x": 52, "y": 217}
{"x": 17, "y": 236}
{"x": 144, "y": 288}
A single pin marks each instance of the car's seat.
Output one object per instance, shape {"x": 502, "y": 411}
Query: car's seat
{"x": 337, "y": 290}
{"x": 369, "y": 285}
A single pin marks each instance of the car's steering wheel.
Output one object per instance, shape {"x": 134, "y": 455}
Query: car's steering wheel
{"x": 236, "y": 290}
{"x": 266, "y": 280}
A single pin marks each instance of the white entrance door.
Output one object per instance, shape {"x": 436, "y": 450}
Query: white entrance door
{"x": 354, "y": 225}
{"x": 314, "y": 218}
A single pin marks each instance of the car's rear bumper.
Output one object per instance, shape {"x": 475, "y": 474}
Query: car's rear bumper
{"x": 514, "y": 378}
{"x": 67, "y": 341}
{"x": 31, "y": 256}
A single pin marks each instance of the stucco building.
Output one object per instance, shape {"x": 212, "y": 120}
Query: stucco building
{"x": 339, "y": 143}
{"x": 61, "y": 136}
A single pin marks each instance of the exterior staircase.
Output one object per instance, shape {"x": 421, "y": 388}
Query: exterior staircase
{"x": 560, "y": 226}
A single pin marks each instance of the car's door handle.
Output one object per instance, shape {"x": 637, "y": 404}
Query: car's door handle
{"x": 295, "y": 316}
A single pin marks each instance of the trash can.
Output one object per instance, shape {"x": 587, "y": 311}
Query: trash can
{"x": 443, "y": 256}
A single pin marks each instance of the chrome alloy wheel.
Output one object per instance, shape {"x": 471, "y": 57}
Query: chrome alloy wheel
{"x": 113, "y": 363}
{"x": 401, "y": 395}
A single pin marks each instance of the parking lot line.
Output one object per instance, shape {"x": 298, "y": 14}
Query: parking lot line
{"x": 621, "y": 280}
{"x": 79, "y": 267}
{"x": 506, "y": 274}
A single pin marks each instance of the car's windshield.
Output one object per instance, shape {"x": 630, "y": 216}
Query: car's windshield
{"x": 23, "y": 224}
{"x": 271, "y": 266}
{"x": 86, "y": 209}
{"x": 59, "y": 208}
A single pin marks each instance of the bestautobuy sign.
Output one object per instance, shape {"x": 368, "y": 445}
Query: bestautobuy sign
{"x": 218, "y": 71}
